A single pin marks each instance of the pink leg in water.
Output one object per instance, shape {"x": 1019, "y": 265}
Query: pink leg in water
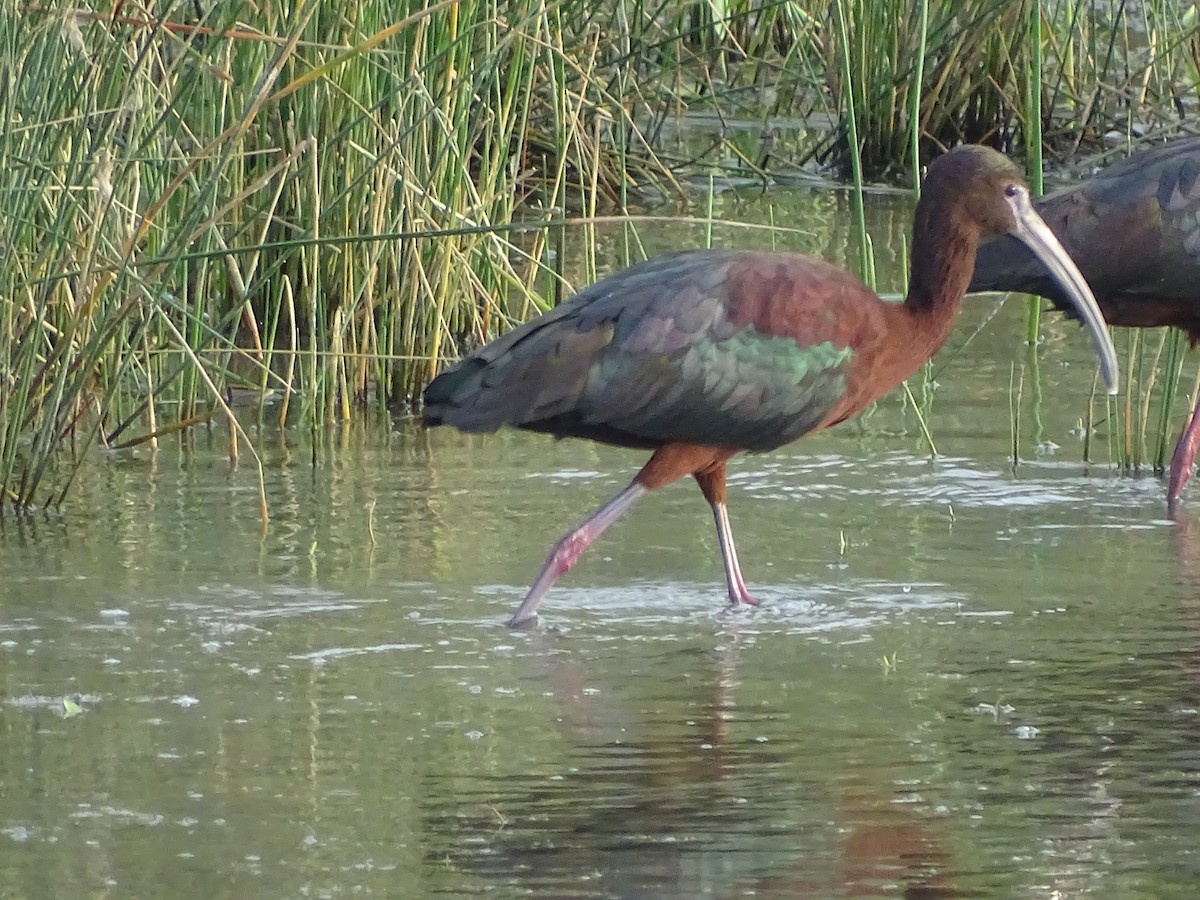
{"x": 738, "y": 592}
{"x": 712, "y": 483}
{"x": 569, "y": 548}
{"x": 1184, "y": 457}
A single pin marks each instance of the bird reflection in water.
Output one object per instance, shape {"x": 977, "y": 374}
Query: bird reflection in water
{"x": 692, "y": 805}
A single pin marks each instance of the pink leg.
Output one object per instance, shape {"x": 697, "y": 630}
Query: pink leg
{"x": 1184, "y": 457}
{"x": 569, "y": 548}
{"x": 738, "y": 592}
{"x": 712, "y": 483}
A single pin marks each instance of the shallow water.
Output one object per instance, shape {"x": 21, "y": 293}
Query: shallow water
{"x": 967, "y": 679}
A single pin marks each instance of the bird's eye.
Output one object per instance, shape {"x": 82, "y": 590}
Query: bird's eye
{"x": 1011, "y": 190}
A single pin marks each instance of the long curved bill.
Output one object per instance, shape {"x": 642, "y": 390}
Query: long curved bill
{"x": 1037, "y": 236}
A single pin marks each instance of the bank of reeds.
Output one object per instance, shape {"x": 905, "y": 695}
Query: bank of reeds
{"x": 1003, "y": 72}
{"x": 313, "y": 205}
{"x": 317, "y": 202}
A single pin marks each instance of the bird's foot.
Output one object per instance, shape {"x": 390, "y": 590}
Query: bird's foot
{"x": 519, "y": 621}
{"x": 741, "y": 596}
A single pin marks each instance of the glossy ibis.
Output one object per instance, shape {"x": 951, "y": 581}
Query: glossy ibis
{"x": 702, "y": 354}
{"x": 1133, "y": 230}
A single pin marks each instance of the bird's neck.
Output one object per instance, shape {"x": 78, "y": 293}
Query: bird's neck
{"x": 943, "y": 259}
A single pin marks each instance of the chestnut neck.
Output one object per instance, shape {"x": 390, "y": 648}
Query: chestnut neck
{"x": 944, "y": 240}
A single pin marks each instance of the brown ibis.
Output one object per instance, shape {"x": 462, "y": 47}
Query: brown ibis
{"x": 1133, "y": 229}
{"x": 702, "y": 354}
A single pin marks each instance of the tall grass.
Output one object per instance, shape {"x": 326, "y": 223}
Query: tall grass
{"x": 967, "y": 55}
{"x": 1002, "y": 72}
{"x": 318, "y": 203}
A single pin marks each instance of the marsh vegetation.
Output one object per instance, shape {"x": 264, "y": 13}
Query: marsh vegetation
{"x": 203, "y": 209}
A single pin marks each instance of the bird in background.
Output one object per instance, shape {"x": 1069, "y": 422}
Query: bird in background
{"x": 1133, "y": 229}
{"x": 703, "y": 354}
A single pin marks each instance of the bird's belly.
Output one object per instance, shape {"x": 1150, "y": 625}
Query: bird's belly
{"x": 1151, "y": 312}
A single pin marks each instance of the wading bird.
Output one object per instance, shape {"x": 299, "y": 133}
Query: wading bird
{"x": 702, "y": 354}
{"x": 1133, "y": 230}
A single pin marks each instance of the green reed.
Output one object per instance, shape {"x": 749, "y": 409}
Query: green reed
{"x": 1145, "y": 420}
{"x": 1033, "y": 143}
{"x": 316, "y": 206}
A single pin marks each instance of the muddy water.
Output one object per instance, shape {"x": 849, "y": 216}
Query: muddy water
{"x": 967, "y": 679}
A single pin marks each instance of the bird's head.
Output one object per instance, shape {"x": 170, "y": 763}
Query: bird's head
{"x": 976, "y": 188}
{"x": 974, "y": 192}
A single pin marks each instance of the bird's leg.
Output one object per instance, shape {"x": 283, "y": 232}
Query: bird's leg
{"x": 569, "y": 548}
{"x": 738, "y": 592}
{"x": 1184, "y": 456}
{"x": 712, "y": 483}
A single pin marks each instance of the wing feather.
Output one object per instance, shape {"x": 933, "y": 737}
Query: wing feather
{"x": 650, "y": 355}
